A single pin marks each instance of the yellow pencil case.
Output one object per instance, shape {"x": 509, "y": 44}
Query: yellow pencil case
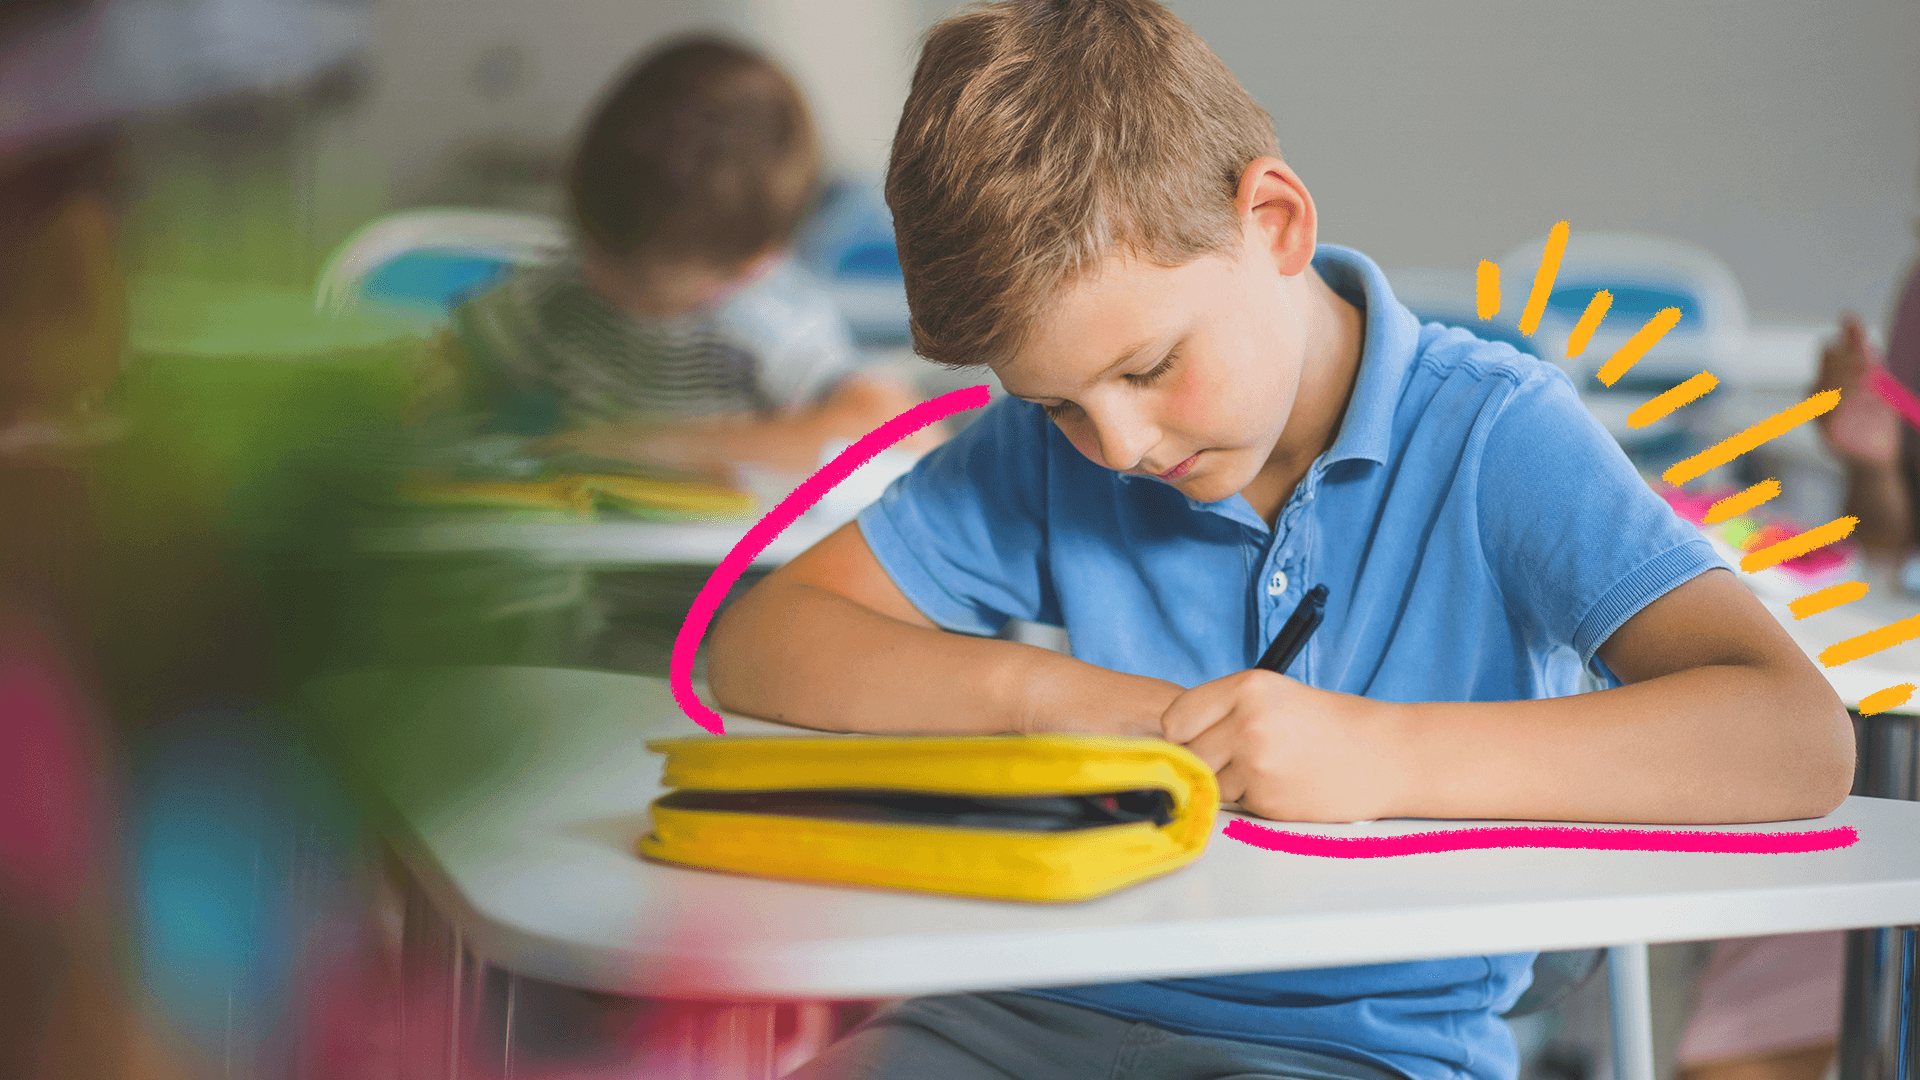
{"x": 1046, "y": 818}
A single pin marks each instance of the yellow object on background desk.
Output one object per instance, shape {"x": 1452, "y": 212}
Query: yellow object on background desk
{"x": 582, "y": 494}
{"x": 1045, "y": 818}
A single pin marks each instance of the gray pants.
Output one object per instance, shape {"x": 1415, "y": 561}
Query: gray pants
{"x": 1009, "y": 1036}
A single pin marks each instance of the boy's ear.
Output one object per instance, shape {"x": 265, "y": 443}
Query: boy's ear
{"x": 1278, "y": 214}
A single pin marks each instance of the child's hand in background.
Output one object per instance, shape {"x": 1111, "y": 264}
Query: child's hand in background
{"x": 1288, "y": 751}
{"x": 791, "y": 443}
{"x": 863, "y": 403}
{"x": 1863, "y": 430}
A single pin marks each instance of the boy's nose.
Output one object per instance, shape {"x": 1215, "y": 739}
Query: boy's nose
{"x": 1123, "y": 441}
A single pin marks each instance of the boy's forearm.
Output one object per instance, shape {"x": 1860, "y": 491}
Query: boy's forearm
{"x": 1714, "y": 744}
{"x": 803, "y": 655}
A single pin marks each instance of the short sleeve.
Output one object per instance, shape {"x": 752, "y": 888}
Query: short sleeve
{"x": 793, "y": 328}
{"x": 964, "y": 533}
{"x": 1576, "y": 540}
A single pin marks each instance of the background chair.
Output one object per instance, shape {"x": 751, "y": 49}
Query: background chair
{"x": 1447, "y": 297}
{"x": 848, "y": 244}
{"x": 1644, "y": 274}
{"x": 427, "y": 261}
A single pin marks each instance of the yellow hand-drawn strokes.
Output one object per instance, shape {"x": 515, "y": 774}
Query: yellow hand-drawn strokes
{"x": 1487, "y": 305}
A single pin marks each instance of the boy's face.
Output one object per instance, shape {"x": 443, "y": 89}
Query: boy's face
{"x": 1188, "y": 373}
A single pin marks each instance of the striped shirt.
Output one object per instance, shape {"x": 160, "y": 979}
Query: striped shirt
{"x": 543, "y": 352}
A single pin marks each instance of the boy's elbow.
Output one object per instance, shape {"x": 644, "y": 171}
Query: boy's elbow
{"x": 1826, "y": 765}
{"x": 1840, "y": 768}
{"x": 727, "y": 680}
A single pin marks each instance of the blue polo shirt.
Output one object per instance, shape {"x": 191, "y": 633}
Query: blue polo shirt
{"x": 1480, "y": 533}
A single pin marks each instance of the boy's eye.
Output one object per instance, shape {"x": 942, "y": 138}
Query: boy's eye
{"x": 1146, "y": 377}
{"x": 1059, "y": 410}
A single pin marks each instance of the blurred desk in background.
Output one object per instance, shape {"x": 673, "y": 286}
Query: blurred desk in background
{"x": 591, "y": 543}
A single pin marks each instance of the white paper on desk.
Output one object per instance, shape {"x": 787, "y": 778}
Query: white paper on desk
{"x": 847, "y": 498}
{"x": 867, "y": 483}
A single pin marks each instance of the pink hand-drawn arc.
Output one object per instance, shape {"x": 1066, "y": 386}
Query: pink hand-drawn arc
{"x": 1534, "y": 836}
{"x": 700, "y": 615}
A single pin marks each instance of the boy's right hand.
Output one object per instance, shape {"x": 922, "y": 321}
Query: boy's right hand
{"x": 1863, "y": 430}
{"x": 1292, "y": 752}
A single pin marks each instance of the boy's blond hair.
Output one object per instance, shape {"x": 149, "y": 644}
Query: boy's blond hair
{"x": 1040, "y": 137}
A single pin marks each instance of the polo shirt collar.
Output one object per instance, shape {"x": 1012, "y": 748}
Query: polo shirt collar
{"x": 1386, "y": 356}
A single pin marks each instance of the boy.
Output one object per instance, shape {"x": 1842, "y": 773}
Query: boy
{"x": 675, "y": 335}
{"x": 1209, "y": 415}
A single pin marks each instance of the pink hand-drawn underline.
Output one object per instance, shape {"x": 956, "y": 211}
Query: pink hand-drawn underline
{"x": 700, "y": 615}
{"x": 1537, "y": 836}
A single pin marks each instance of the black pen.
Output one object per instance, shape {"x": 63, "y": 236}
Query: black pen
{"x": 1293, "y": 636}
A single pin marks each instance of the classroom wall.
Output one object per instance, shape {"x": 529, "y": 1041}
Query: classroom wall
{"x": 853, "y": 58}
{"x": 1782, "y": 135}
{"x": 476, "y": 101}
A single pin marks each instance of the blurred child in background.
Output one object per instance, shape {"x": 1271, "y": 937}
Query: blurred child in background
{"x": 675, "y": 334}
{"x": 1881, "y": 455}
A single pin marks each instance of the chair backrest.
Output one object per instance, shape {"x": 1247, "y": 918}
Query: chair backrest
{"x": 848, "y": 244}
{"x": 1643, "y": 274}
{"x": 1446, "y": 297}
{"x": 430, "y": 260}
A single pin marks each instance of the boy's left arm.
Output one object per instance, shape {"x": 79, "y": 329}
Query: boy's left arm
{"x": 1721, "y": 719}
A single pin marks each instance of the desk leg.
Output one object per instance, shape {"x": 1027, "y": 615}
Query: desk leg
{"x": 456, "y": 1005}
{"x": 700, "y": 1040}
{"x": 1630, "y": 1012}
{"x": 442, "y": 992}
{"x": 506, "y": 1027}
{"x": 1879, "y": 1020}
{"x": 430, "y": 997}
{"x": 746, "y": 1031}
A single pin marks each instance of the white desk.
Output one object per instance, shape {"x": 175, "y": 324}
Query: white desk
{"x": 524, "y": 842}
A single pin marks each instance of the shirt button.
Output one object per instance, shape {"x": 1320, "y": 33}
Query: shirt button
{"x": 1276, "y": 584}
